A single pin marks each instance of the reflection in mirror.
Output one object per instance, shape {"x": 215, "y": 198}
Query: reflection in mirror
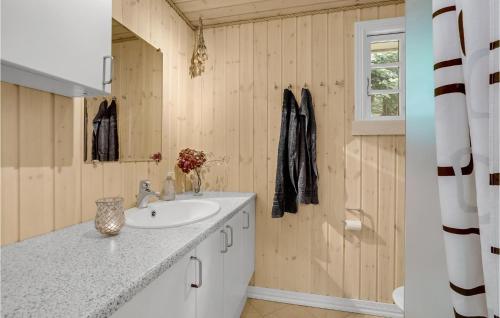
{"x": 136, "y": 90}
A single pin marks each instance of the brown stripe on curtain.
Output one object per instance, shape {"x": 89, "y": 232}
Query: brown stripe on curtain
{"x": 448, "y": 63}
{"x": 494, "y": 78}
{"x": 495, "y": 250}
{"x": 454, "y": 230}
{"x": 494, "y": 45}
{"x": 457, "y": 315}
{"x": 443, "y": 10}
{"x": 495, "y": 179}
{"x": 449, "y": 171}
{"x": 467, "y": 170}
{"x": 446, "y": 172}
{"x": 461, "y": 31}
{"x": 468, "y": 292}
{"x": 448, "y": 89}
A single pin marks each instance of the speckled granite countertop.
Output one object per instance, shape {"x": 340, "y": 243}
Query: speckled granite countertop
{"x": 76, "y": 272}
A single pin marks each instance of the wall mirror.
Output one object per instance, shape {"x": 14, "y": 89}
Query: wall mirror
{"x": 135, "y": 104}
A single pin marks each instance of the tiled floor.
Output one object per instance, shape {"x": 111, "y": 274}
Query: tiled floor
{"x": 259, "y": 309}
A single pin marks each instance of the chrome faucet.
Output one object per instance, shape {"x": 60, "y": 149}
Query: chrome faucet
{"x": 145, "y": 193}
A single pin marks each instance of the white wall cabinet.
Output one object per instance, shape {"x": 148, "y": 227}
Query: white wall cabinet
{"x": 62, "y": 47}
{"x": 209, "y": 282}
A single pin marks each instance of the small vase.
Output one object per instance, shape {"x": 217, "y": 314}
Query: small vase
{"x": 196, "y": 181}
{"x": 109, "y": 218}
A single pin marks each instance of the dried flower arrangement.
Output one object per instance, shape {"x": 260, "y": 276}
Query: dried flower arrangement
{"x": 192, "y": 160}
{"x": 200, "y": 162}
{"x": 200, "y": 55}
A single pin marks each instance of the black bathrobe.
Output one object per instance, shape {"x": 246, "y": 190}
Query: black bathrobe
{"x": 285, "y": 195}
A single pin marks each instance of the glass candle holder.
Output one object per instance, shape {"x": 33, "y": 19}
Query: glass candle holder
{"x": 109, "y": 218}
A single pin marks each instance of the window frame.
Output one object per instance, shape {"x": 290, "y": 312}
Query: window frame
{"x": 367, "y": 32}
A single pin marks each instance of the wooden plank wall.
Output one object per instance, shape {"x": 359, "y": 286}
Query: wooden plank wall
{"x": 233, "y": 111}
{"x": 46, "y": 184}
{"x": 240, "y": 102}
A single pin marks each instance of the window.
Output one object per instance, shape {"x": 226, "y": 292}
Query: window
{"x": 380, "y": 72}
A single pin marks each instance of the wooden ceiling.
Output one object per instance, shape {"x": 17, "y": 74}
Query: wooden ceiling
{"x": 229, "y": 11}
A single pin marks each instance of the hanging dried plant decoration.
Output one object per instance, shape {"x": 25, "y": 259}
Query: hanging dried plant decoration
{"x": 200, "y": 55}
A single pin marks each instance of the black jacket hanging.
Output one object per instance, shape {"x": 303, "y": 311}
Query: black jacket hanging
{"x": 307, "y": 192}
{"x": 285, "y": 196}
{"x": 113, "y": 149}
{"x": 99, "y": 144}
{"x": 105, "y": 133}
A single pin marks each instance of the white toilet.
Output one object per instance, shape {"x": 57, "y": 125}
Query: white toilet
{"x": 398, "y": 295}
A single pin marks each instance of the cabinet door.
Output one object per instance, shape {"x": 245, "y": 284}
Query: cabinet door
{"x": 233, "y": 293}
{"x": 248, "y": 220}
{"x": 209, "y": 296}
{"x": 169, "y": 296}
{"x": 56, "y": 45}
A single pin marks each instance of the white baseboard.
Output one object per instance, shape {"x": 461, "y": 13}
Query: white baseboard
{"x": 326, "y": 302}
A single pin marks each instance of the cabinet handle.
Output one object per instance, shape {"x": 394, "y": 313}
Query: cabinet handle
{"x": 230, "y": 231}
{"x": 200, "y": 272}
{"x": 104, "y": 59}
{"x": 248, "y": 220}
{"x": 224, "y": 234}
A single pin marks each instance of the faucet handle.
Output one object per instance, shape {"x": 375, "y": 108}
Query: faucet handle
{"x": 144, "y": 185}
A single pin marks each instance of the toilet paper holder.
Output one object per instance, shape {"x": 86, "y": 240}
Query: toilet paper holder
{"x": 353, "y": 224}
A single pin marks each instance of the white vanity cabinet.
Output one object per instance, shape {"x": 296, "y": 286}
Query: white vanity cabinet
{"x": 234, "y": 293}
{"x": 58, "y": 46}
{"x": 248, "y": 215}
{"x": 170, "y": 295}
{"x": 209, "y": 282}
{"x": 209, "y": 296}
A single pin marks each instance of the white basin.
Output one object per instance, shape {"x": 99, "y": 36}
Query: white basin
{"x": 163, "y": 214}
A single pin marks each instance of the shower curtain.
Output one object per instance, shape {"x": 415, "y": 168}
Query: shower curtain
{"x": 467, "y": 60}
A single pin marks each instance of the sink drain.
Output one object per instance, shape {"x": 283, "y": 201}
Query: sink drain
{"x": 153, "y": 213}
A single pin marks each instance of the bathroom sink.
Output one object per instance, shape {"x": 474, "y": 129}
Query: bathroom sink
{"x": 163, "y": 214}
